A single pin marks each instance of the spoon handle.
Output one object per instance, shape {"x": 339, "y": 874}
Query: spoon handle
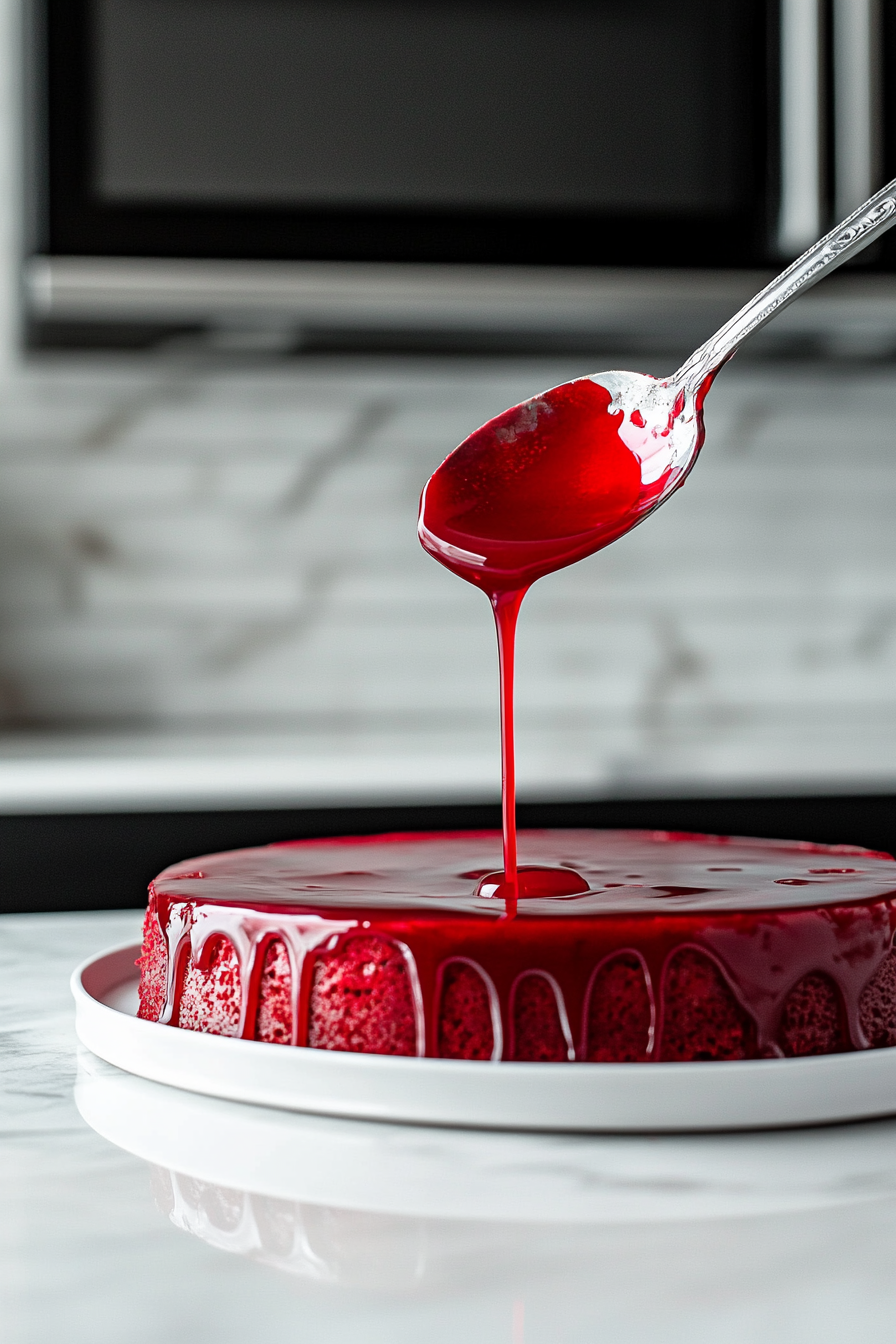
{"x": 849, "y": 237}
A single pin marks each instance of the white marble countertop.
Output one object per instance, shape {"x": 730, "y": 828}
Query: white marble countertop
{"x": 496, "y": 1239}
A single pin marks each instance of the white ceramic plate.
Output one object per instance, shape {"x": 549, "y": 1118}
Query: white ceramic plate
{"x": 632, "y": 1098}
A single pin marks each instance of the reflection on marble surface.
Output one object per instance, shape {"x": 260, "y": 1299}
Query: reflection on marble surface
{"x": 86, "y": 1254}
{"x": 413, "y": 1171}
{"x": 345, "y": 1246}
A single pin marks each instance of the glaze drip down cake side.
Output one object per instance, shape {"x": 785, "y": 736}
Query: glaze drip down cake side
{"x": 682, "y": 947}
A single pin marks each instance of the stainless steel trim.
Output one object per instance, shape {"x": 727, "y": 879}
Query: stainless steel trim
{"x": 800, "y": 216}
{"x": 656, "y": 309}
{"x": 857, "y": 102}
{"x": 372, "y": 295}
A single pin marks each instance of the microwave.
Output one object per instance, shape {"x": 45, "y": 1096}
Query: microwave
{"x": 443, "y": 161}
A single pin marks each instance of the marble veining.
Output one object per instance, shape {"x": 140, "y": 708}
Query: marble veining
{"x": 168, "y": 567}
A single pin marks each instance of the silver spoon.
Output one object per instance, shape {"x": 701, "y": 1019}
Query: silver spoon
{"x": 556, "y": 478}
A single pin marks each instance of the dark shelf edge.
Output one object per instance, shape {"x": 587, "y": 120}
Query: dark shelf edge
{"x": 103, "y": 861}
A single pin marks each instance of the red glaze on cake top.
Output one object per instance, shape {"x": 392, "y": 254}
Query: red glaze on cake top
{"x": 681, "y": 947}
{"x": 625, "y": 871}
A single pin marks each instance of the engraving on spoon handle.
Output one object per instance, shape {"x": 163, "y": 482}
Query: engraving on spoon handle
{"x": 849, "y": 238}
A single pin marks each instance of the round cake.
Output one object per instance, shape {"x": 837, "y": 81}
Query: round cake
{"x": 647, "y": 946}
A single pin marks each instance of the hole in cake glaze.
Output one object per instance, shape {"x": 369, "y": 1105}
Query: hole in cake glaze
{"x": 813, "y": 1021}
{"x": 362, "y": 1000}
{"x": 211, "y": 992}
{"x": 620, "y": 1014}
{"x": 469, "y": 1014}
{"x": 700, "y": 1016}
{"x": 274, "y": 1017}
{"x": 539, "y": 1024}
{"x": 877, "y": 1006}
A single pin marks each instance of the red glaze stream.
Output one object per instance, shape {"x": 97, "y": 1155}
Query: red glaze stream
{"x": 542, "y": 485}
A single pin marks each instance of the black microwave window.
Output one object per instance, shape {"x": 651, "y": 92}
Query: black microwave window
{"x": 490, "y": 130}
{"x": 565, "y": 104}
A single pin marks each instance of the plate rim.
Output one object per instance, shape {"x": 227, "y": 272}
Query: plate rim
{"x": 585, "y": 1097}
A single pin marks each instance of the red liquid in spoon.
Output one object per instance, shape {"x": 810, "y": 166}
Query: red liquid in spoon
{"x": 541, "y": 486}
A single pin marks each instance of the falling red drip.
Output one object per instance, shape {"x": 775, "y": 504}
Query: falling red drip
{"x": 507, "y": 607}
{"x": 537, "y": 488}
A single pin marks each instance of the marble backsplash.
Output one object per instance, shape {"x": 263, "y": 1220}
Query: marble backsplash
{"x": 195, "y": 549}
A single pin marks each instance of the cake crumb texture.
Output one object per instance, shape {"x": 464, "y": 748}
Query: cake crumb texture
{"x": 210, "y": 998}
{"x": 877, "y": 1006}
{"x": 701, "y": 1017}
{"x": 273, "y": 1022}
{"x": 812, "y": 1022}
{"x": 465, "y": 1019}
{"x": 619, "y": 1013}
{"x": 361, "y": 1000}
{"x": 537, "y": 1033}
{"x": 153, "y": 963}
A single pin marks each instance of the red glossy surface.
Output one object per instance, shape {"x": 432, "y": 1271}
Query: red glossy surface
{"x": 542, "y": 485}
{"x": 680, "y": 947}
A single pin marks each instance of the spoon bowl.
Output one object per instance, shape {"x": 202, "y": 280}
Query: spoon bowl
{"x": 560, "y": 476}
